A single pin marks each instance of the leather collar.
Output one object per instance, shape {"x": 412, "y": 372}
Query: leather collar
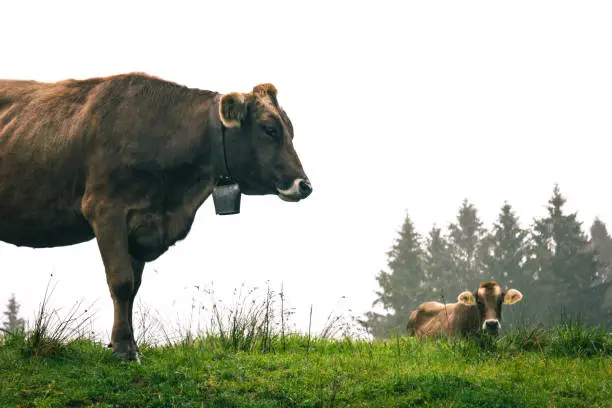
{"x": 219, "y": 149}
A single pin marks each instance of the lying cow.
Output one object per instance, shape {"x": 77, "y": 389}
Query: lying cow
{"x": 128, "y": 160}
{"x": 474, "y": 311}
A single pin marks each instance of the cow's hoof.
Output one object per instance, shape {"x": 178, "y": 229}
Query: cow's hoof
{"x": 130, "y": 353}
{"x": 127, "y": 356}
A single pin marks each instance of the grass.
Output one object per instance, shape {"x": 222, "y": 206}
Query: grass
{"x": 246, "y": 356}
{"x": 398, "y": 372}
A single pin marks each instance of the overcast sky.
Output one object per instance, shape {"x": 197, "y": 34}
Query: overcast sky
{"x": 397, "y": 106}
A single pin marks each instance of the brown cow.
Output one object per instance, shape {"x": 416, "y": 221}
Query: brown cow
{"x": 128, "y": 160}
{"x": 476, "y": 310}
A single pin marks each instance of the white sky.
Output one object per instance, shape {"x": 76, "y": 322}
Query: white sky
{"x": 396, "y": 106}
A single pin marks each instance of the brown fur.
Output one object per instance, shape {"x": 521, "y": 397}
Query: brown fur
{"x": 128, "y": 160}
{"x": 464, "y": 317}
{"x": 265, "y": 89}
{"x": 489, "y": 285}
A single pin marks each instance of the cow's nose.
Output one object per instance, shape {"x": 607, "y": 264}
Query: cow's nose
{"x": 305, "y": 188}
{"x": 492, "y": 324}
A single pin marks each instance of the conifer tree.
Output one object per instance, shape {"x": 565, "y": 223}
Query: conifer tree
{"x": 400, "y": 284}
{"x": 565, "y": 263}
{"x": 601, "y": 242}
{"x": 13, "y": 322}
{"x": 467, "y": 239}
{"x": 441, "y": 277}
{"x": 508, "y": 250}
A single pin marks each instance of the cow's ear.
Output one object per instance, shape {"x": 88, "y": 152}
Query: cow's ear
{"x": 232, "y": 109}
{"x": 512, "y": 296}
{"x": 467, "y": 298}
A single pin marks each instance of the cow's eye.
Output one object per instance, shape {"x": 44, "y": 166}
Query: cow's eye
{"x": 270, "y": 131}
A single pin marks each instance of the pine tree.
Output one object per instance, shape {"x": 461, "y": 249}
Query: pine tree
{"x": 507, "y": 250}
{"x": 565, "y": 264}
{"x": 441, "y": 277}
{"x": 467, "y": 239}
{"x": 574, "y": 261}
{"x": 601, "y": 294}
{"x": 400, "y": 284}
{"x": 13, "y": 322}
{"x": 601, "y": 242}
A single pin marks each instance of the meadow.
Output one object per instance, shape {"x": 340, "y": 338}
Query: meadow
{"x": 247, "y": 358}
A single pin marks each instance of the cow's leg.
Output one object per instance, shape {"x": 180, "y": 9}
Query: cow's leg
{"x": 110, "y": 229}
{"x": 138, "y": 268}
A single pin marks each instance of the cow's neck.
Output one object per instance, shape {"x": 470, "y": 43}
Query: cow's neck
{"x": 213, "y": 168}
{"x": 213, "y": 164}
{"x": 468, "y": 314}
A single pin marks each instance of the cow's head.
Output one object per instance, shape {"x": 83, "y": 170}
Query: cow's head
{"x": 259, "y": 142}
{"x": 489, "y": 298}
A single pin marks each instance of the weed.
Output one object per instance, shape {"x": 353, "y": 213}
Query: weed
{"x": 51, "y": 332}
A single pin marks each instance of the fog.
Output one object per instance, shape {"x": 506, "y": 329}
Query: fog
{"x": 396, "y": 107}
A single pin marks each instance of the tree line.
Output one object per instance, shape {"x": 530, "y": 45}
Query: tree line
{"x": 561, "y": 271}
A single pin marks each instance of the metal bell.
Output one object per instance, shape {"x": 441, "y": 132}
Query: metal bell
{"x": 226, "y": 197}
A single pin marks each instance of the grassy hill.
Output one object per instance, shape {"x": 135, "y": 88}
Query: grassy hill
{"x": 567, "y": 366}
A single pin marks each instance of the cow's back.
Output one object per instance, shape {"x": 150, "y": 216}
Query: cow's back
{"x": 56, "y": 138}
{"x": 39, "y": 122}
{"x": 429, "y": 318}
{"x": 432, "y": 318}
{"x": 43, "y": 156}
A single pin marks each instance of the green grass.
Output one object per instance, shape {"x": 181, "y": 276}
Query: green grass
{"x": 568, "y": 366}
{"x": 246, "y": 357}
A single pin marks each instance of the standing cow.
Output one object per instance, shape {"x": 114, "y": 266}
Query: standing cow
{"x": 474, "y": 311}
{"x": 128, "y": 160}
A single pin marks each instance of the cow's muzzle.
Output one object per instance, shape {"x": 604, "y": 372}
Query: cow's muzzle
{"x": 299, "y": 189}
{"x": 491, "y": 325}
